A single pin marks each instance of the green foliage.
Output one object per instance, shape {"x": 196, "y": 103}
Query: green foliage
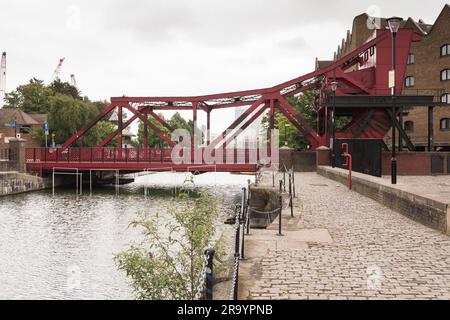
{"x": 154, "y": 140}
{"x": 168, "y": 263}
{"x": 65, "y": 88}
{"x": 103, "y": 129}
{"x": 31, "y": 97}
{"x": 304, "y": 105}
{"x": 178, "y": 122}
{"x": 67, "y": 115}
{"x": 38, "y": 134}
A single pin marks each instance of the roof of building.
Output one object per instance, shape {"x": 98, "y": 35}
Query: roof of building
{"x": 17, "y": 115}
{"x": 41, "y": 118}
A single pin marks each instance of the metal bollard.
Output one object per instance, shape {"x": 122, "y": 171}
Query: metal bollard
{"x": 247, "y": 206}
{"x": 293, "y": 182}
{"x": 280, "y": 234}
{"x": 209, "y": 253}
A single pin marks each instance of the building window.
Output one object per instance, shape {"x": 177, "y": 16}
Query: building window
{"x": 25, "y": 129}
{"x": 445, "y": 98}
{"x": 409, "y": 82}
{"x": 411, "y": 58}
{"x": 445, "y": 124}
{"x": 445, "y": 74}
{"x": 409, "y": 126}
{"x": 445, "y": 50}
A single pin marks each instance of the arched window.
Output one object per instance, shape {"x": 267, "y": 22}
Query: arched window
{"x": 445, "y": 74}
{"x": 411, "y": 58}
{"x": 445, "y": 124}
{"x": 445, "y": 50}
{"x": 409, "y": 82}
{"x": 409, "y": 126}
{"x": 445, "y": 98}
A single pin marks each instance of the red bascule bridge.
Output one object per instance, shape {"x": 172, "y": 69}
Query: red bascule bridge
{"x": 362, "y": 93}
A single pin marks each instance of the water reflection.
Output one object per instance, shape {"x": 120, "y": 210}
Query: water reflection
{"x": 62, "y": 247}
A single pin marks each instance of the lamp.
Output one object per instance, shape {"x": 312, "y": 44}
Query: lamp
{"x": 334, "y": 86}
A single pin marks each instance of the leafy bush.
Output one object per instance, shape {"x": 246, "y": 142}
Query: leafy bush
{"x": 168, "y": 263}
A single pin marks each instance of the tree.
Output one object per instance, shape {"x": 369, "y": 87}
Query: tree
{"x": 103, "y": 129}
{"x": 168, "y": 263}
{"x": 65, "y": 88}
{"x": 67, "y": 115}
{"x": 31, "y": 97}
{"x": 178, "y": 122}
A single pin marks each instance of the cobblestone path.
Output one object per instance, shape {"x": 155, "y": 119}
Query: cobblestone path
{"x": 376, "y": 253}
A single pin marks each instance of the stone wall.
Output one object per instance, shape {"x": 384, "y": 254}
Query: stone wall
{"x": 431, "y": 213}
{"x": 302, "y": 161}
{"x": 15, "y": 182}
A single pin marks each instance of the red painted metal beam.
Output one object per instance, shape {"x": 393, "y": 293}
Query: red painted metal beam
{"x": 241, "y": 118}
{"x": 246, "y": 124}
{"x": 115, "y": 133}
{"x": 160, "y": 120}
{"x": 309, "y": 132}
{"x": 89, "y": 125}
{"x": 158, "y": 131}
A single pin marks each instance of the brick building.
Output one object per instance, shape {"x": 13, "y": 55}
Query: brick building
{"x": 427, "y": 73}
{"x": 25, "y": 123}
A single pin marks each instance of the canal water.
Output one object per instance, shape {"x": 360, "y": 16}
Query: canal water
{"x": 62, "y": 246}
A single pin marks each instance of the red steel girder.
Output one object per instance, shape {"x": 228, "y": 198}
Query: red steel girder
{"x": 161, "y": 120}
{"x": 115, "y": 133}
{"x": 241, "y": 118}
{"x": 147, "y": 123}
{"x": 89, "y": 125}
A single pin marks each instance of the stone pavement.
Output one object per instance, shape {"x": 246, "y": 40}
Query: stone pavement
{"x": 342, "y": 245}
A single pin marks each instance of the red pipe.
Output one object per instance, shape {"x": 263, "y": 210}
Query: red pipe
{"x": 348, "y": 163}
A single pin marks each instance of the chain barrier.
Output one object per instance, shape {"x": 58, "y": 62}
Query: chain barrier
{"x": 203, "y": 275}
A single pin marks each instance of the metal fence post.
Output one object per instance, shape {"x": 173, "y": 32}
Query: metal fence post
{"x": 280, "y": 234}
{"x": 209, "y": 253}
{"x": 293, "y": 182}
{"x": 244, "y": 220}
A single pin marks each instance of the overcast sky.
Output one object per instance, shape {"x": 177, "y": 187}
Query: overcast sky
{"x": 179, "y": 47}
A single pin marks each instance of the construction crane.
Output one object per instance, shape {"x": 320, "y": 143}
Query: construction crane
{"x": 3, "y": 80}
{"x": 73, "y": 82}
{"x": 57, "y": 71}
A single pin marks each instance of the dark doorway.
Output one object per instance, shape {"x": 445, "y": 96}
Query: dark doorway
{"x": 366, "y": 155}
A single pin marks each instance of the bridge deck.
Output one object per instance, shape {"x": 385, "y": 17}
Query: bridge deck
{"x": 132, "y": 160}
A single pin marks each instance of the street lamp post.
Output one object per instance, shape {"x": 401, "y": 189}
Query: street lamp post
{"x": 334, "y": 85}
{"x": 394, "y": 25}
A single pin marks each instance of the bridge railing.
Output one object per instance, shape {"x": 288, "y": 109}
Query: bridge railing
{"x": 154, "y": 155}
